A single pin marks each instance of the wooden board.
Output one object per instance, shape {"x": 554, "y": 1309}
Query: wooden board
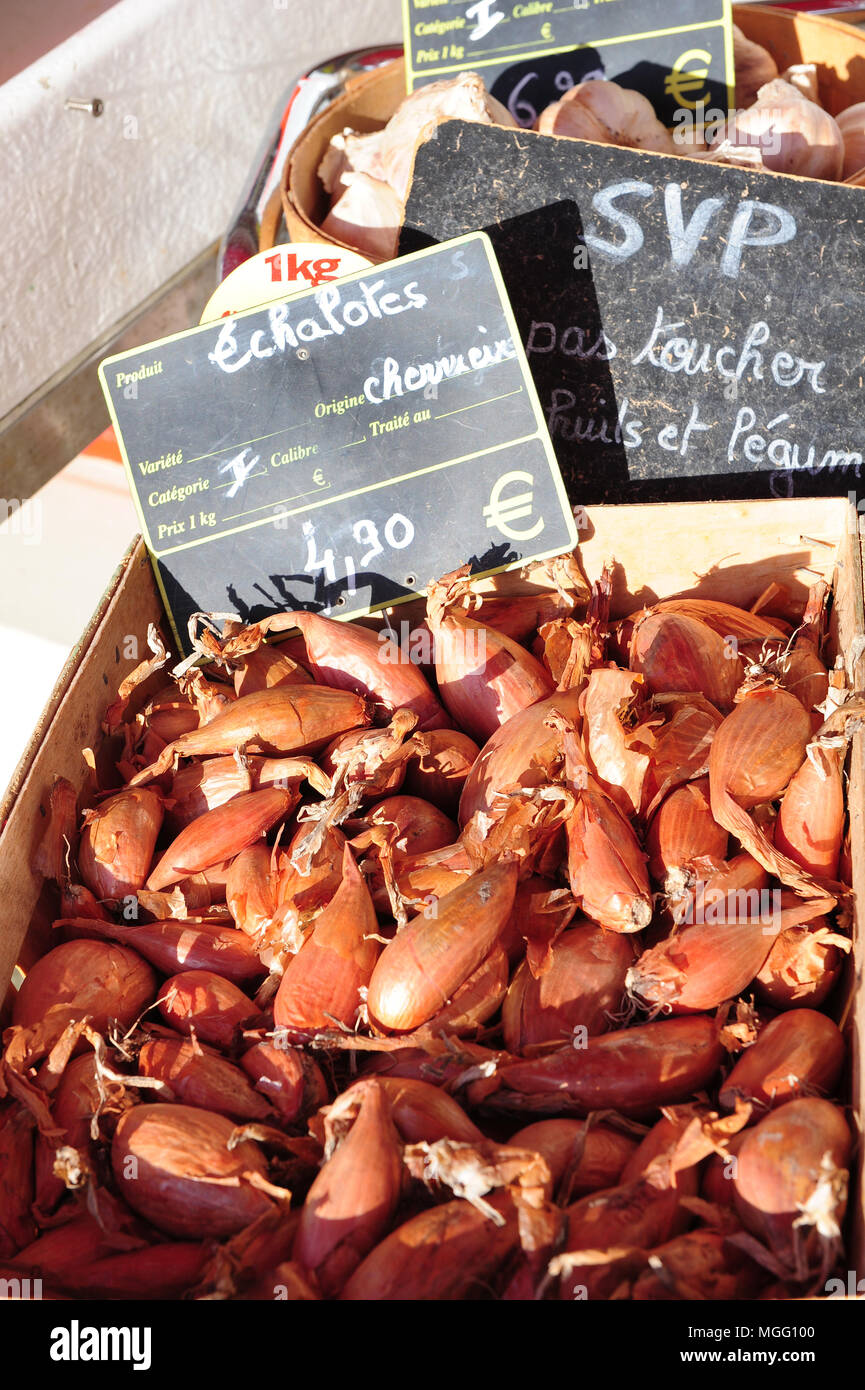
{"x": 694, "y": 330}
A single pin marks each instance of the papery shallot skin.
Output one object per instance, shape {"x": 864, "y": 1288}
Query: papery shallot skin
{"x": 700, "y": 1265}
{"x": 810, "y": 825}
{"x": 352, "y": 657}
{"x": 676, "y": 653}
{"x": 700, "y": 966}
{"x": 206, "y": 1004}
{"x": 793, "y": 1165}
{"x": 118, "y": 841}
{"x": 606, "y": 866}
{"x": 619, "y": 770}
{"x": 796, "y": 1054}
{"x": 758, "y": 747}
{"x": 438, "y": 771}
{"x": 624, "y": 1221}
{"x": 583, "y": 989}
{"x": 173, "y": 1166}
{"x": 201, "y": 1077}
{"x": 580, "y": 1157}
{"x": 484, "y": 677}
{"x": 632, "y": 1070}
{"x": 802, "y": 967}
{"x": 173, "y": 945}
{"x": 447, "y": 1253}
{"x": 284, "y": 720}
{"x": 683, "y": 831}
{"x": 352, "y": 1202}
{"x": 422, "y": 1112}
{"x": 220, "y": 834}
{"x": 321, "y": 986}
{"x": 163, "y": 1271}
{"x": 413, "y": 825}
{"x": 425, "y": 964}
{"x": 290, "y": 1079}
{"x": 93, "y": 979}
{"x": 524, "y": 752}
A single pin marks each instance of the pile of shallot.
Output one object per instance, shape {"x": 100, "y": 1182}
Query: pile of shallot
{"x": 496, "y": 963}
{"x": 777, "y": 124}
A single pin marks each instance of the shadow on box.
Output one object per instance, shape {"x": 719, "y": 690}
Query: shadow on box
{"x": 289, "y": 591}
{"x": 574, "y": 383}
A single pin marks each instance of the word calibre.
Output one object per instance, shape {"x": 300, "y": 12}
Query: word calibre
{"x": 335, "y": 315}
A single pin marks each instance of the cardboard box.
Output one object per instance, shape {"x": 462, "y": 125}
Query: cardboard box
{"x": 727, "y": 550}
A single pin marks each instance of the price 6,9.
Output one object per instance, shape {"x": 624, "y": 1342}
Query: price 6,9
{"x": 396, "y": 534}
{"x": 533, "y": 90}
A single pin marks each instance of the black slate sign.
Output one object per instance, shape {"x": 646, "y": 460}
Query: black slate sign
{"x": 338, "y": 450}
{"x": 694, "y": 330}
{"x": 530, "y": 53}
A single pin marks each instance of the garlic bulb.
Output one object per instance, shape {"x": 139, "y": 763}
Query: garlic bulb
{"x": 368, "y": 176}
{"x": 795, "y": 136}
{"x": 754, "y": 67}
{"x": 388, "y": 155}
{"x": 367, "y": 216}
{"x": 690, "y": 140}
{"x": 463, "y": 98}
{"x": 851, "y": 124}
{"x": 741, "y": 156}
{"x": 610, "y": 114}
{"x": 351, "y": 153}
{"x": 803, "y": 76}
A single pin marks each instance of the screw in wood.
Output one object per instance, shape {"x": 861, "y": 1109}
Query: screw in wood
{"x": 95, "y": 105}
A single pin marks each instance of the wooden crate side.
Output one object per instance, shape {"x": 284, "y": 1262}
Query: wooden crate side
{"x": 73, "y": 726}
{"x": 837, "y": 49}
{"x": 729, "y": 550}
{"x": 850, "y": 618}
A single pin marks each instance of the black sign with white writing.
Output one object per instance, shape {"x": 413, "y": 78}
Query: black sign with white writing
{"x": 339, "y": 450}
{"x": 694, "y": 330}
{"x": 529, "y": 54}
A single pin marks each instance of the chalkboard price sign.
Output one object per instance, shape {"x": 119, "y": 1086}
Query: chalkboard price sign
{"x": 695, "y": 331}
{"x": 529, "y": 54}
{"x": 339, "y": 449}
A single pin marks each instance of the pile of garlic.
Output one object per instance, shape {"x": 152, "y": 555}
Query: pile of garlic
{"x": 368, "y": 176}
{"x": 778, "y": 124}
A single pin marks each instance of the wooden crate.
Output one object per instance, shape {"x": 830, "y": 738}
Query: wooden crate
{"x": 837, "y": 49}
{"x": 729, "y": 550}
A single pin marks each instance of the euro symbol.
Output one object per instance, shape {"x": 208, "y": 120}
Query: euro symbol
{"x": 502, "y": 511}
{"x": 318, "y": 477}
{"x": 681, "y": 81}
{"x": 546, "y": 31}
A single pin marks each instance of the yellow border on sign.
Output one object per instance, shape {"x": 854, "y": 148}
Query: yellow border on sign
{"x": 728, "y": 54}
{"x": 541, "y": 432}
{"x": 439, "y": 70}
